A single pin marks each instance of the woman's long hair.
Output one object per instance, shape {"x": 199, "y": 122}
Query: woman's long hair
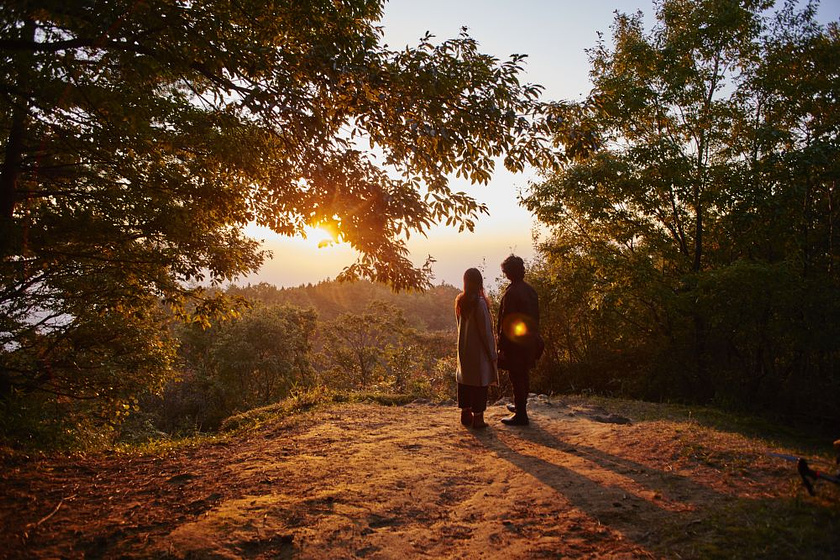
{"x": 473, "y": 289}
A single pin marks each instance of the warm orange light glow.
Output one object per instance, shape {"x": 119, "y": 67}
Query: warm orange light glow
{"x": 517, "y": 327}
{"x": 520, "y": 328}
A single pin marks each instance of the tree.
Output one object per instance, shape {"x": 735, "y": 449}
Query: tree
{"x": 233, "y": 366}
{"x": 645, "y": 188}
{"x": 263, "y": 355}
{"x": 653, "y": 156}
{"x": 354, "y": 345}
{"x": 139, "y": 138}
{"x": 697, "y": 207}
{"x": 409, "y": 362}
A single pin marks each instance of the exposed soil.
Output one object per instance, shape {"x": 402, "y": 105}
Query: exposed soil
{"x": 409, "y": 482}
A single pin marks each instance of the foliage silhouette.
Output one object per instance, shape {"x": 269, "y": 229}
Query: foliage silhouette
{"x": 140, "y": 138}
{"x": 693, "y": 251}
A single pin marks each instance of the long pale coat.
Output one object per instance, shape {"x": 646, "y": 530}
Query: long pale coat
{"x": 476, "y": 357}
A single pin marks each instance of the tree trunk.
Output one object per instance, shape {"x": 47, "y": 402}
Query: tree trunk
{"x": 12, "y": 165}
{"x": 11, "y": 169}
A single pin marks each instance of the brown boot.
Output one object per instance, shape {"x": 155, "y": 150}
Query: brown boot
{"x": 466, "y": 417}
{"x": 478, "y": 420}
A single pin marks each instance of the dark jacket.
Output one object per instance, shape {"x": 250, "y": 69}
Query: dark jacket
{"x": 518, "y": 326}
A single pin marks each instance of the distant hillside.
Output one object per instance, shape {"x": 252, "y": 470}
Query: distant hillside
{"x": 431, "y": 310}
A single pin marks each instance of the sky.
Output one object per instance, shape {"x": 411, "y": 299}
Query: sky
{"x": 554, "y": 34}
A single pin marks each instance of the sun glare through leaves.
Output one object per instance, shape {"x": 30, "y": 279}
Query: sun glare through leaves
{"x": 322, "y": 235}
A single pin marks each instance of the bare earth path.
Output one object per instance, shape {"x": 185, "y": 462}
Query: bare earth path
{"x": 407, "y": 482}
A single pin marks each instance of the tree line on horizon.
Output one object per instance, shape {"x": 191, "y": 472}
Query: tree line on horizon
{"x": 429, "y": 310}
{"x": 690, "y": 199}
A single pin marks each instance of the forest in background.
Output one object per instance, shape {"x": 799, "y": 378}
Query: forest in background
{"x": 343, "y": 337}
{"x": 694, "y": 248}
{"x": 430, "y": 310}
{"x": 331, "y": 337}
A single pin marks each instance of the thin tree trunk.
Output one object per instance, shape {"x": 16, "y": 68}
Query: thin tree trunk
{"x": 12, "y": 165}
{"x": 11, "y": 169}
{"x": 806, "y": 228}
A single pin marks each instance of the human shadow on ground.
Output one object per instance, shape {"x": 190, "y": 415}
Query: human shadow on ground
{"x": 656, "y": 507}
{"x": 667, "y": 485}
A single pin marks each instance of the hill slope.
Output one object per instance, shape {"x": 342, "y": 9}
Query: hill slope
{"x": 359, "y": 480}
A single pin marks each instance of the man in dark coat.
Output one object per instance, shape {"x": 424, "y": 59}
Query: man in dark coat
{"x": 518, "y": 335}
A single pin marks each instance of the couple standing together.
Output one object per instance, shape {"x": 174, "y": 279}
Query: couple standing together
{"x": 514, "y": 345}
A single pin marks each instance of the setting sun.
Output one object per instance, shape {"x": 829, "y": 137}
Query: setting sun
{"x": 323, "y": 235}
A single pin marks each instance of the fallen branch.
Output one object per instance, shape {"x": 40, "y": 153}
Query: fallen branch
{"x": 53, "y": 512}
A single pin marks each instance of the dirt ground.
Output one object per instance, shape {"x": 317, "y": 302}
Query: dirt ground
{"x": 369, "y": 481}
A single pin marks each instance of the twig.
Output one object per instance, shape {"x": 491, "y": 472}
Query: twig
{"x": 53, "y": 512}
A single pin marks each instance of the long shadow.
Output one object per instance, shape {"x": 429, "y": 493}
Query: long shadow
{"x": 643, "y": 521}
{"x": 668, "y": 485}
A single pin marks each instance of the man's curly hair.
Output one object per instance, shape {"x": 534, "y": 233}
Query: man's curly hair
{"x": 514, "y": 267}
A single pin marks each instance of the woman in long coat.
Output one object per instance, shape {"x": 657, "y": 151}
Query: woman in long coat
{"x": 476, "y": 368}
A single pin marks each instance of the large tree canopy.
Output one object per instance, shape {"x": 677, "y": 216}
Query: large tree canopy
{"x": 695, "y": 243}
{"x": 139, "y": 138}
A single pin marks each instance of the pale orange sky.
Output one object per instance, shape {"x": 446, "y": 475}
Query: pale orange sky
{"x": 554, "y": 34}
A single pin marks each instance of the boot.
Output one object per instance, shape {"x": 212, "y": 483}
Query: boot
{"x": 478, "y": 420}
{"x": 516, "y": 420}
{"x": 466, "y": 417}
{"x": 520, "y": 413}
